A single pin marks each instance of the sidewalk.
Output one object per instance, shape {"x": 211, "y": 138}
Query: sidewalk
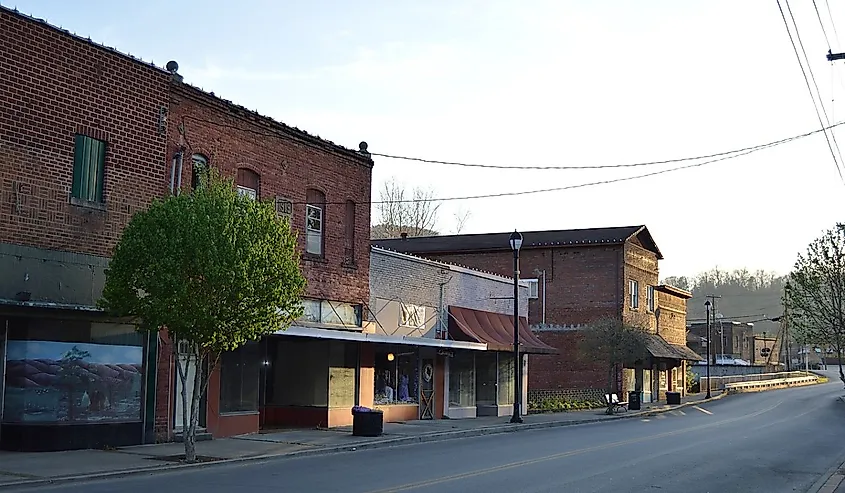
{"x": 18, "y": 469}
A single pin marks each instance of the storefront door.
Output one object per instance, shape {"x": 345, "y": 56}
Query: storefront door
{"x": 178, "y": 425}
{"x": 427, "y": 388}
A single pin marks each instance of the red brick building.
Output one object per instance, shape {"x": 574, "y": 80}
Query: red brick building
{"x": 89, "y": 136}
{"x": 581, "y": 276}
{"x": 82, "y": 147}
{"x": 306, "y": 177}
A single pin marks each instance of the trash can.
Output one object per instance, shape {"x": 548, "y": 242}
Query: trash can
{"x": 634, "y": 401}
{"x": 367, "y": 422}
{"x": 673, "y": 398}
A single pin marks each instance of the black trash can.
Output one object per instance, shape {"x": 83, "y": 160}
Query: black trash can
{"x": 367, "y": 423}
{"x": 634, "y": 402}
{"x": 673, "y": 398}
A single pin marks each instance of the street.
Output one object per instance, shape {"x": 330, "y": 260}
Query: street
{"x": 770, "y": 441}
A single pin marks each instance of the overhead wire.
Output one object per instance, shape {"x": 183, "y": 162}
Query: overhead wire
{"x": 832, "y": 23}
{"x": 809, "y": 88}
{"x": 824, "y": 31}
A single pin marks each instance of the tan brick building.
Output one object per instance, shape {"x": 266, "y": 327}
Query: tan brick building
{"x": 581, "y": 276}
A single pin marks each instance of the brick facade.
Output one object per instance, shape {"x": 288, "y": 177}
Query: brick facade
{"x": 54, "y": 86}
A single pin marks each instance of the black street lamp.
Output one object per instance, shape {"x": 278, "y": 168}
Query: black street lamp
{"x": 516, "y": 244}
{"x": 707, "y": 307}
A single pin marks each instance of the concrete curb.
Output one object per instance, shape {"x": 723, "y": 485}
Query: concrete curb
{"x": 390, "y": 442}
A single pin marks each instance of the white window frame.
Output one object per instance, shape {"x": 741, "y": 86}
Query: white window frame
{"x": 411, "y": 316}
{"x": 533, "y": 288}
{"x": 312, "y": 232}
{"x": 650, "y": 298}
{"x": 634, "y": 287}
{"x": 250, "y": 193}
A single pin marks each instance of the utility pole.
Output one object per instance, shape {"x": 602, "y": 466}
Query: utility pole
{"x": 831, "y": 56}
{"x": 713, "y": 298}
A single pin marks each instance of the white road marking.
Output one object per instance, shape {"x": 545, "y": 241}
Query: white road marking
{"x": 705, "y": 411}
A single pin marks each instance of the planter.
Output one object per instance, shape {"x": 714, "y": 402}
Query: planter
{"x": 367, "y": 423}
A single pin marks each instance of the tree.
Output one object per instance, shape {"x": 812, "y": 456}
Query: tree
{"x": 414, "y": 213}
{"x": 614, "y": 343}
{"x": 461, "y": 218}
{"x": 815, "y": 293}
{"x": 214, "y": 269}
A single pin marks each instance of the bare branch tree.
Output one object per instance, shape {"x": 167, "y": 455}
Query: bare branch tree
{"x": 816, "y": 293}
{"x": 461, "y": 218}
{"x": 413, "y": 213}
{"x": 616, "y": 344}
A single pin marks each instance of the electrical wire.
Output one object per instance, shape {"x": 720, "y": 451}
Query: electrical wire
{"x": 822, "y": 25}
{"x": 832, "y": 23}
{"x": 807, "y": 81}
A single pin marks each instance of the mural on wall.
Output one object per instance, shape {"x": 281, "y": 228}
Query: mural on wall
{"x": 69, "y": 382}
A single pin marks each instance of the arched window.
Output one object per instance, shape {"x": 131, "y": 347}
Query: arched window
{"x": 199, "y": 164}
{"x": 315, "y": 218}
{"x": 248, "y": 183}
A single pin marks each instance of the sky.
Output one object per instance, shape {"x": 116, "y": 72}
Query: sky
{"x": 537, "y": 83}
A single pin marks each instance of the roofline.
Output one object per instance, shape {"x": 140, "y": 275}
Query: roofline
{"x": 445, "y": 265}
{"x": 656, "y": 248}
{"x": 251, "y": 116}
{"x": 42, "y": 22}
{"x": 673, "y": 290}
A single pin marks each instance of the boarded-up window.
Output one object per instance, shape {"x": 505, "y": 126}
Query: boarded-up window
{"x": 248, "y": 183}
{"x": 315, "y": 212}
{"x": 349, "y": 223}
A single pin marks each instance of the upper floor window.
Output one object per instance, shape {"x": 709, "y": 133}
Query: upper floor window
{"x": 635, "y": 294}
{"x": 650, "y": 298}
{"x": 315, "y": 211}
{"x": 248, "y": 183}
{"x": 349, "y": 222}
{"x": 533, "y": 288}
{"x": 200, "y": 166}
{"x": 89, "y": 161}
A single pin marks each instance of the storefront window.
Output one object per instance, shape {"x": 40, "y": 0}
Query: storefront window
{"x": 462, "y": 379}
{"x": 397, "y": 376}
{"x": 506, "y": 378}
{"x": 72, "y": 371}
{"x": 239, "y": 375}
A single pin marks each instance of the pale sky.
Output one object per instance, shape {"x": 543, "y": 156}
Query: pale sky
{"x": 535, "y": 83}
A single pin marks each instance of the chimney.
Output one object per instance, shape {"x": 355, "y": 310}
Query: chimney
{"x": 404, "y": 236}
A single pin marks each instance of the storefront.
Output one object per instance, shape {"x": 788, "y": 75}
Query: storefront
{"x": 71, "y": 379}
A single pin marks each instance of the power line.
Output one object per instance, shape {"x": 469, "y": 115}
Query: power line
{"x": 821, "y": 24}
{"x": 832, "y": 22}
{"x": 807, "y": 81}
{"x": 604, "y": 166}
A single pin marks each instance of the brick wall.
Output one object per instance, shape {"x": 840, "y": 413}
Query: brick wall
{"x": 288, "y": 162}
{"x": 53, "y": 86}
{"x": 417, "y": 281}
{"x": 672, "y": 320}
{"x": 640, "y": 266}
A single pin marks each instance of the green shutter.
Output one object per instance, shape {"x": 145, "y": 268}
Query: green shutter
{"x": 88, "y": 165}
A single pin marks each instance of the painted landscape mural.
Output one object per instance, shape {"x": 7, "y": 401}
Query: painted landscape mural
{"x": 72, "y": 382}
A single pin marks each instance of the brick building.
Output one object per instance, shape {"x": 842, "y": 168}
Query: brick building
{"x": 304, "y": 176}
{"x": 89, "y": 136}
{"x": 82, "y": 147}
{"x": 578, "y": 277}
{"x": 458, "y": 321}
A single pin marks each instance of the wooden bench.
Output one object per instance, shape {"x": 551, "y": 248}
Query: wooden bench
{"x": 614, "y": 404}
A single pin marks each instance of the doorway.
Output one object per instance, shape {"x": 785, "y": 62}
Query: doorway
{"x": 427, "y": 388}
{"x": 184, "y": 357}
{"x": 4, "y": 328}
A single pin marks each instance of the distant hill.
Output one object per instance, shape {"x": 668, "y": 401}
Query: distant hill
{"x": 745, "y": 296}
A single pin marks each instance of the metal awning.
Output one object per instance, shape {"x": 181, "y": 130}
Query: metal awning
{"x": 658, "y": 347}
{"x": 49, "y": 305}
{"x": 345, "y": 335}
{"x": 494, "y": 329}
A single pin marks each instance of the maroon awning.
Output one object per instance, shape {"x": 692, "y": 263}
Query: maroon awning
{"x": 494, "y": 329}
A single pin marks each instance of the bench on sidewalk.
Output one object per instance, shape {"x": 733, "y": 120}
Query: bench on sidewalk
{"x": 614, "y": 404}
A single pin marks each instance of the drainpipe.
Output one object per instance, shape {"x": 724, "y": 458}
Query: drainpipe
{"x": 444, "y": 332}
{"x": 544, "y": 296}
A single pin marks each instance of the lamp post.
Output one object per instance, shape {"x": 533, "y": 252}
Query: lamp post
{"x": 709, "y": 345}
{"x": 516, "y": 243}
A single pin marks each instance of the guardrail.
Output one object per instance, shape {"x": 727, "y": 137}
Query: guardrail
{"x": 736, "y": 387}
{"x": 719, "y": 383}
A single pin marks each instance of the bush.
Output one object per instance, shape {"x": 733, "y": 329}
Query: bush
{"x": 552, "y": 404}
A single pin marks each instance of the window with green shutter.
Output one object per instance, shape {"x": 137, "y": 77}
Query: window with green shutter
{"x": 88, "y": 164}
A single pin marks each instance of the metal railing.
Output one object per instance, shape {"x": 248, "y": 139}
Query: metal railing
{"x": 718, "y": 383}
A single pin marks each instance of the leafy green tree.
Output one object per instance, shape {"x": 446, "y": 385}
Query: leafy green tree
{"x": 614, "y": 343}
{"x": 214, "y": 269}
{"x": 815, "y": 294}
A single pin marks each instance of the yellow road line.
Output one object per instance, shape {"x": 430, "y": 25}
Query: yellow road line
{"x": 538, "y": 460}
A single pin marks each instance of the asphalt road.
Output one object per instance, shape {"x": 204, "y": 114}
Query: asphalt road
{"x": 777, "y": 441}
